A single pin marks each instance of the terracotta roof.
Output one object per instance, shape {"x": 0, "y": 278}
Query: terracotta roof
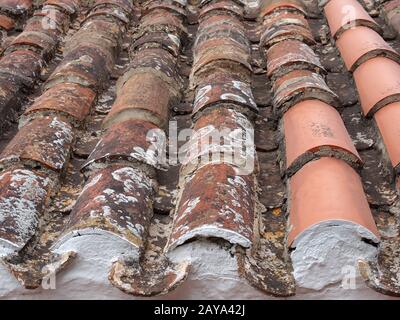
{"x": 200, "y": 149}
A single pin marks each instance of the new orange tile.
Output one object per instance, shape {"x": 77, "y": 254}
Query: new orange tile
{"x": 378, "y": 83}
{"x": 347, "y": 14}
{"x": 327, "y": 189}
{"x": 360, "y": 44}
{"x": 312, "y": 129}
{"x": 388, "y": 121}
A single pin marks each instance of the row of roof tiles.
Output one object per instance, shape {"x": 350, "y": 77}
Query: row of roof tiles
{"x": 312, "y": 128}
{"x": 118, "y": 197}
{"x": 375, "y": 67}
{"x": 24, "y": 58}
{"x": 44, "y": 141}
{"x": 223, "y": 100}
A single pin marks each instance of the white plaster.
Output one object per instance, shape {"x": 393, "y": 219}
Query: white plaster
{"x": 323, "y": 250}
{"x": 212, "y": 231}
{"x": 7, "y": 247}
{"x": 96, "y": 244}
{"x": 213, "y": 275}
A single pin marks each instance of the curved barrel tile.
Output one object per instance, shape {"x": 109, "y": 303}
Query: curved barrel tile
{"x": 326, "y": 234}
{"x": 360, "y": 44}
{"x": 23, "y": 195}
{"x": 347, "y": 14}
{"x": 201, "y": 214}
{"x": 378, "y": 84}
{"x": 312, "y": 130}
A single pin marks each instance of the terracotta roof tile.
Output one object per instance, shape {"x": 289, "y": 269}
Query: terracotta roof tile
{"x": 205, "y": 146}
{"x": 376, "y": 94}
{"x": 312, "y": 130}
{"x": 360, "y": 44}
{"x": 200, "y": 214}
{"x": 36, "y": 40}
{"x": 23, "y": 195}
{"x": 132, "y": 140}
{"x": 66, "y": 98}
{"x": 290, "y": 55}
{"x": 86, "y": 65}
{"x": 171, "y": 6}
{"x": 314, "y": 191}
{"x": 221, "y": 7}
{"x": 45, "y": 141}
{"x": 285, "y": 17}
{"x": 346, "y": 14}
{"x": 270, "y": 6}
{"x": 167, "y": 41}
{"x": 223, "y": 88}
{"x": 22, "y": 65}
{"x": 278, "y": 33}
{"x": 16, "y": 6}
{"x": 70, "y": 6}
{"x": 387, "y": 120}
{"x": 115, "y": 200}
{"x": 391, "y": 12}
{"x": 144, "y": 96}
{"x": 6, "y": 23}
{"x": 300, "y": 85}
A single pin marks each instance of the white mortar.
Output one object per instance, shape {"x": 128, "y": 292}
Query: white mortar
{"x": 325, "y": 253}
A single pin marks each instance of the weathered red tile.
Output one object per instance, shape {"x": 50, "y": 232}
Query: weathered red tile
{"x": 46, "y": 141}
{"x": 171, "y": 6}
{"x": 6, "y": 23}
{"x": 23, "y": 195}
{"x": 392, "y": 14}
{"x": 16, "y": 6}
{"x": 224, "y": 88}
{"x": 66, "y": 98}
{"x": 23, "y": 65}
{"x": 144, "y": 96}
{"x": 9, "y": 97}
{"x": 387, "y": 120}
{"x": 101, "y": 34}
{"x": 158, "y": 61}
{"x": 87, "y": 66}
{"x": 131, "y": 140}
{"x": 300, "y": 85}
{"x": 276, "y": 34}
{"x": 70, "y": 6}
{"x": 327, "y": 189}
{"x": 221, "y": 54}
{"x": 160, "y": 19}
{"x": 221, "y": 7}
{"x": 108, "y": 11}
{"x": 269, "y": 6}
{"x": 360, "y": 44}
{"x": 215, "y": 202}
{"x": 314, "y": 129}
{"x": 347, "y": 14}
{"x": 219, "y": 35}
{"x": 202, "y": 48}
{"x": 46, "y": 23}
{"x": 117, "y": 201}
{"x": 37, "y": 40}
{"x": 167, "y": 41}
{"x": 283, "y": 18}
{"x": 378, "y": 83}
{"x": 222, "y": 135}
{"x": 214, "y": 22}
{"x": 290, "y": 55}
{"x": 124, "y": 4}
